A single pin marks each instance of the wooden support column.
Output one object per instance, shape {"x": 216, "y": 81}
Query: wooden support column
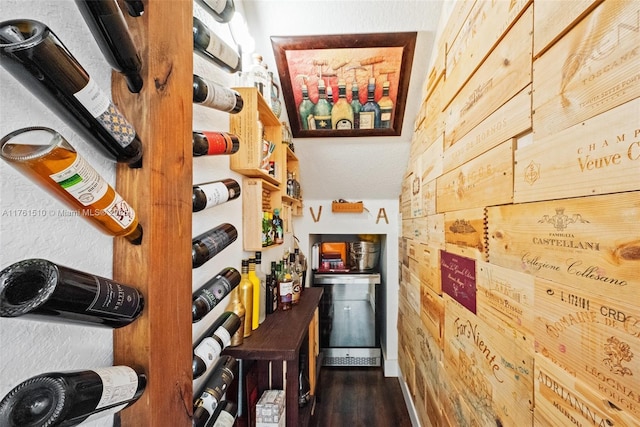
{"x": 160, "y": 192}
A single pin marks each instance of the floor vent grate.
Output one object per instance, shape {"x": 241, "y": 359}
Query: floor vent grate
{"x": 351, "y": 361}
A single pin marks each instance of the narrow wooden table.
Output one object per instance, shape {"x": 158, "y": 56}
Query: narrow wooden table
{"x": 279, "y": 338}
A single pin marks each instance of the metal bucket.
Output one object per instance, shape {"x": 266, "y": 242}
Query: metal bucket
{"x": 364, "y": 256}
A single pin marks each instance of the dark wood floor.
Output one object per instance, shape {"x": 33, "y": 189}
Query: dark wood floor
{"x": 354, "y": 397}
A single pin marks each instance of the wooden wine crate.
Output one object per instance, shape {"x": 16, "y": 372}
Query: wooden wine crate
{"x": 434, "y": 230}
{"x": 457, "y": 410}
{"x": 590, "y": 242}
{"x": 464, "y": 233}
{"x": 505, "y": 72}
{"x": 432, "y": 313}
{"x": 347, "y": 207}
{"x": 562, "y": 400}
{"x": 590, "y": 70}
{"x": 433, "y": 124}
{"x": 428, "y": 197}
{"x": 429, "y": 263}
{"x": 416, "y": 190}
{"x": 595, "y": 337}
{"x": 598, "y": 156}
{"x": 483, "y": 181}
{"x": 405, "y": 197}
{"x": 511, "y": 119}
{"x": 552, "y": 19}
{"x": 495, "y": 373}
{"x": 428, "y": 356}
{"x": 431, "y": 160}
{"x": 487, "y": 23}
{"x": 505, "y": 299}
{"x": 256, "y": 193}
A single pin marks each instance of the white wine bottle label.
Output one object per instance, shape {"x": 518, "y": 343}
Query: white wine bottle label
{"x": 225, "y": 419}
{"x": 208, "y": 402}
{"x": 208, "y": 350}
{"x": 224, "y": 336}
{"x": 216, "y": 193}
{"x": 344, "y": 124}
{"x": 367, "y": 120}
{"x": 286, "y": 291}
{"x": 120, "y": 211}
{"x": 119, "y": 384}
{"x": 385, "y": 115}
{"x": 217, "y": 5}
{"x": 82, "y": 181}
{"x": 220, "y": 98}
{"x": 115, "y": 300}
{"x": 100, "y": 106}
{"x": 222, "y": 51}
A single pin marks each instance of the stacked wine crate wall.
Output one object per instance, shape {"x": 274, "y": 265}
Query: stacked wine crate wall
{"x": 520, "y": 294}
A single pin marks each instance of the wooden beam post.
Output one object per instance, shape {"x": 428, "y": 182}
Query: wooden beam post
{"x": 160, "y": 192}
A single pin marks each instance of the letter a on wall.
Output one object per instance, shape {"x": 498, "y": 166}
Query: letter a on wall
{"x": 382, "y": 214}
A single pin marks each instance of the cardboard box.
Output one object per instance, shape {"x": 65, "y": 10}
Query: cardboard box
{"x": 270, "y": 409}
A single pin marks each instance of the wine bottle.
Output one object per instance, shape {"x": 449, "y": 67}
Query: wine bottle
{"x": 262, "y": 278}
{"x": 285, "y": 287}
{"x": 45, "y": 157}
{"x": 342, "y": 113}
{"x": 386, "y": 107}
{"x": 222, "y": 374}
{"x": 356, "y": 106}
{"x": 235, "y": 306}
{"x": 322, "y": 109}
{"x": 33, "y": 54}
{"x": 370, "y": 112}
{"x": 214, "y": 143}
{"x": 305, "y": 110}
{"x": 214, "y": 193}
{"x": 212, "y": 242}
{"x": 38, "y": 288}
{"x": 216, "y": 339}
{"x": 106, "y": 22}
{"x": 213, "y": 95}
{"x": 221, "y": 10}
{"x": 255, "y": 282}
{"x": 246, "y": 296}
{"x": 295, "y": 279}
{"x": 224, "y": 415}
{"x": 72, "y": 397}
{"x": 212, "y": 292}
{"x": 211, "y": 47}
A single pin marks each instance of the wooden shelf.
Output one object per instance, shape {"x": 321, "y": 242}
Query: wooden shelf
{"x": 248, "y": 159}
{"x": 258, "y": 196}
{"x": 279, "y": 338}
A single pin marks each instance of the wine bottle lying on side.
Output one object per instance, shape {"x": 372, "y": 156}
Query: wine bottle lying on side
{"x": 215, "y": 339}
{"x": 72, "y": 397}
{"x": 34, "y": 55}
{"x": 210, "y": 243}
{"x": 222, "y": 374}
{"x": 40, "y": 289}
{"x": 47, "y": 159}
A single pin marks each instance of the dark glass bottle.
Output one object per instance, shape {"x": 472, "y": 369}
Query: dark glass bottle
{"x": 212, "y": 292}
{"x": 211, "y": 47}
{"x": 370, "y": 112}
{"x": 221, "y": 10}
{"x": 206, "y": 143}
{"x": 322, "y": 109}
{"x": 216, "y": 339}
{"x": 214, "y": 193}
{"x": 356, "y": 106}
{"x": 213, "y": 95}
{"x": 222, "y": 374}
{"x": 42, "y": 289}
{"x": 106, "y": 22}
{"x": 69, "y": 398}
{"x": 304, "y": 386}
{"x": 210, "y": 243}
{"x": 272, "y": 304}
{"x": 33, "y": 54}
{"x": 224, "y": 415}
{"x": 305, "y": 110}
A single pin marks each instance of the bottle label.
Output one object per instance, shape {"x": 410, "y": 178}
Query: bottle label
{"x": 216, "y": 193}
{"x": 217, "y": 5}
{"x": 100, "y": 106}
{"x": 208, "y": 402}
{"x": 385, "y": 115}
{"x": 216, "y": 241}
{"x": 120, "y": 211}
{"x": 225, "y": 419}
{"x": 220, "y": 50}
{"x": 105, "y": 413}
{"x": 344, "y": 124}
{"x": 367, "y": 120}
{"x": 286, "y": 291}
{"x": 224, "y": 336}
{"x": 119, "y": 384}
{"x": 115, "y": 299}
{"x": 219, "y": 143}
{"x": 322, "y": 122}
{"x": 208, "y": 350}
{"x": 220, "y": 98}
{"x": 82, "y": 182}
